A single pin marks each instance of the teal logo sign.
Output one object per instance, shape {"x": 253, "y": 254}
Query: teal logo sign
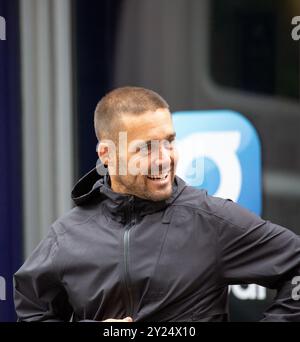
{"x": 220, "y": 151}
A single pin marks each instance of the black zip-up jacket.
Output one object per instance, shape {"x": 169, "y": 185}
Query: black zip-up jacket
{"x": 115, "y": 255}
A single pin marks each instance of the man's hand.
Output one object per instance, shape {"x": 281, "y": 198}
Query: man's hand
{"x": 127, "y": 319}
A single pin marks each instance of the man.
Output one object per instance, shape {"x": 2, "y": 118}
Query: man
{"x": 142, "y": 245}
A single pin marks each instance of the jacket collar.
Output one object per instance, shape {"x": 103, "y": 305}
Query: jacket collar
{"x": 93, "y": 187}
{"x": 120, "y": 205}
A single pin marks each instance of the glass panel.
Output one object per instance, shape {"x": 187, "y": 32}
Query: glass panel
{"x": 252, "y": 48}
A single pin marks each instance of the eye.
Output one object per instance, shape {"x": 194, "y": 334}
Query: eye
{"x": 169, "y": 144}
{"x": 144, "y": 149}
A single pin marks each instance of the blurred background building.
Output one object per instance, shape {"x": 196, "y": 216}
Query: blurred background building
{"x": 61, "y": 56}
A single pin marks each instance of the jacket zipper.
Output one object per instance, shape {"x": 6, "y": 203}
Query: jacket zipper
{"x": 127, "y": 277}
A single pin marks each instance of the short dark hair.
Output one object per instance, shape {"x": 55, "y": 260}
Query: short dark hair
{"x": 133, "y": 100}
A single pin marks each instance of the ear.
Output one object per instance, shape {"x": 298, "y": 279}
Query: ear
{"x": 102, "y": 151}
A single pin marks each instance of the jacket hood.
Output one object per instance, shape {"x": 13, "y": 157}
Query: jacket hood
{"x": 94, "y": 187}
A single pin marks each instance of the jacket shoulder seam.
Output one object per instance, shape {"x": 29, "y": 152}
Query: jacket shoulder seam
{"x": 211, "y": 213}
{"x": 65, "y": 226}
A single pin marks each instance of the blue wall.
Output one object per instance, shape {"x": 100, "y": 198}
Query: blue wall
{"x": 10, "y": 155}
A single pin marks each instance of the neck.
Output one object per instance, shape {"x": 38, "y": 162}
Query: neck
{"x": 117, "y": 187}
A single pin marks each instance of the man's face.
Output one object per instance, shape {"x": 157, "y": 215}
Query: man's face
{"x": 148, "y": 162}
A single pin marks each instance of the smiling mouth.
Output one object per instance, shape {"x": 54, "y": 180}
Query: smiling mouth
{"x": 159, "y": 177}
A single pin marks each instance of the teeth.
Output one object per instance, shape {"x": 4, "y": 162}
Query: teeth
{"x": 161, "y": 177}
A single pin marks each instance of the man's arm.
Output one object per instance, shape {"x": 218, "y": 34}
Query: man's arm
{"x": 252, "y": 250}
{"x": 39, "y": 294}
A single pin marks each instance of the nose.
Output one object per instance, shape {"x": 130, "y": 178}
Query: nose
{"x": 161, "y": 161}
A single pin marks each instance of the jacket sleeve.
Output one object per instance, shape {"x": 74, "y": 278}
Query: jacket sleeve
{"x": 252, "y": 250}
{"x": 38, "y": 292}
